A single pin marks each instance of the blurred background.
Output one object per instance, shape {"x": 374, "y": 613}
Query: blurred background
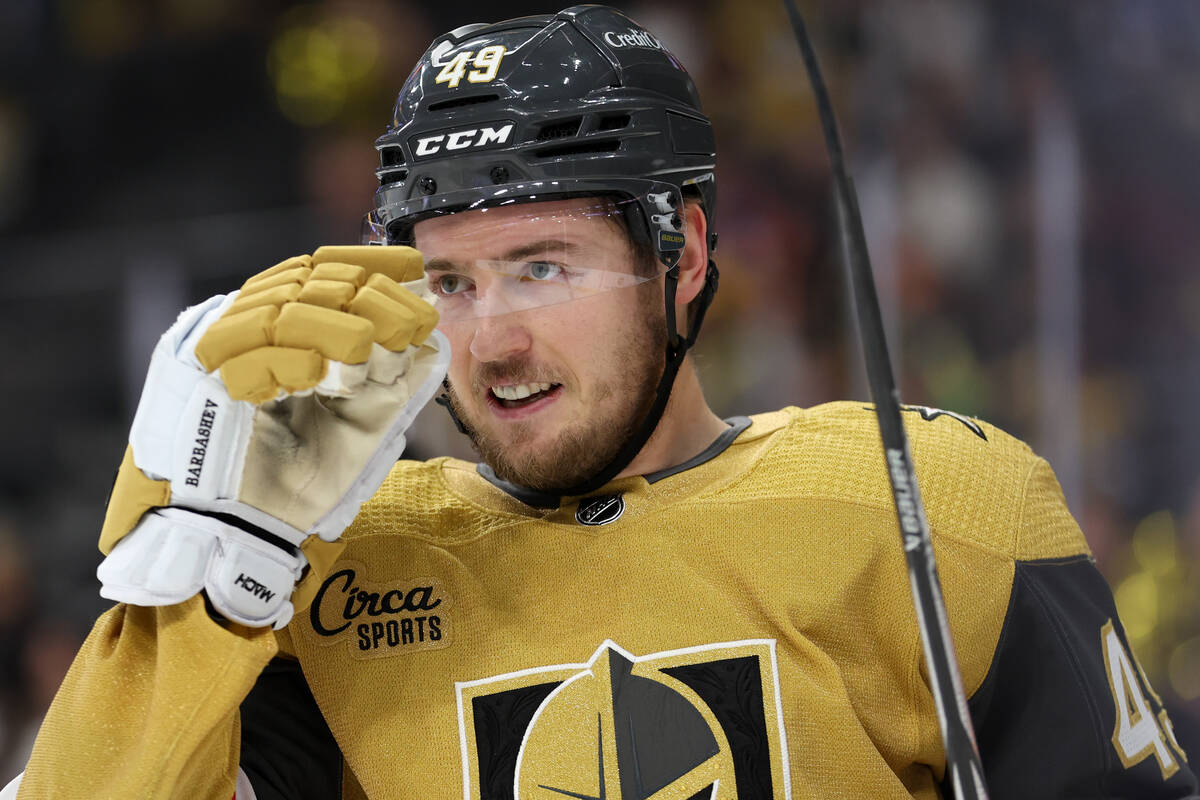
{"x": 1029, "y": 175}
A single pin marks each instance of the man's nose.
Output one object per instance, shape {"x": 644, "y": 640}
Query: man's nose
{"x": 499, "y": 337}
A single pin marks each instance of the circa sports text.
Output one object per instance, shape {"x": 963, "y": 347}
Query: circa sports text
{"x": 342, "y": 600}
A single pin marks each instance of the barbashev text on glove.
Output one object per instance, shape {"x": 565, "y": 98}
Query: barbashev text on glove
{"x": 268, "y": 417}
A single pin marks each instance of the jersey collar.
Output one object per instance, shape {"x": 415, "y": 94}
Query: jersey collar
{"x": 537, "y": 499}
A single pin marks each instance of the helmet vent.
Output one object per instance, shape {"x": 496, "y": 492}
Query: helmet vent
{"x": 578, "y": 148}
{"x": 559, "y": 130}
{"x": 613, "y": 122}
{"x": 391, "y": 176}
{"x": 459, "y": 102}
{"x": 390, "y": 157}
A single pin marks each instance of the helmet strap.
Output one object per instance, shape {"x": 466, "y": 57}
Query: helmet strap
{"x": 677, "y": 347}
{"x": 443, "y": 400}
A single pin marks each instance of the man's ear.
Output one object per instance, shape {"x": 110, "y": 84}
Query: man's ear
{"x": 693, "y": 264}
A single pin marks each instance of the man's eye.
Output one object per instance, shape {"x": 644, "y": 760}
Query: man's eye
{"x": 543, "y": 270}
{"x": 450, "y": 284}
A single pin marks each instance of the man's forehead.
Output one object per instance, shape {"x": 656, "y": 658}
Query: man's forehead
{"x": 567, "y": 219}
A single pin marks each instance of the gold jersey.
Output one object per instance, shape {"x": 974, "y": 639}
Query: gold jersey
{"x": 742, "y": 628}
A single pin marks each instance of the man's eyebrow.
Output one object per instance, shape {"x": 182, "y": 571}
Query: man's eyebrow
{"x": 445, "y": 265}
{"x": 516, "y": 254}
{"x": 540, "y": 246}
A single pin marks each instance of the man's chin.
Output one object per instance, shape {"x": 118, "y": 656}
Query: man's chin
{"x": 539, "y": 454}
{"x": 540, "y": 477}
{"x": 541, "y": 460}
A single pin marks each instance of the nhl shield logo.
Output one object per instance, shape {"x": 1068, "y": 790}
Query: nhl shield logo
{"x": 703, "y": 722}
{"x": 600, "y": 510}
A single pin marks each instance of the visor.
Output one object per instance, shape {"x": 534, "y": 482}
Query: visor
{"x": 505, "y": 259}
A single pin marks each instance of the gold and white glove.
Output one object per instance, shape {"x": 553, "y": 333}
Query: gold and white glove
{"x": 277, "y": 410}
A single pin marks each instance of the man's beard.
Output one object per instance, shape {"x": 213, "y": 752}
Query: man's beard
{"x": 587, "y": 445}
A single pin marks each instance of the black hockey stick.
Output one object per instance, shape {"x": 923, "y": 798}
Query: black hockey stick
{"x": 962, "y": 756}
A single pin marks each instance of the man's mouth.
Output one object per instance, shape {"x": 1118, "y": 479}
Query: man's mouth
{"x": 519, "y": 395}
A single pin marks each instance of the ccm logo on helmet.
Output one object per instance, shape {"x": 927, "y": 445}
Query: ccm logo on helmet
{"x": 634, "y": 38}
{"x": 468, "y": 139}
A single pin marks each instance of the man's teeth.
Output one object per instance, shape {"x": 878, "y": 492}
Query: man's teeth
{"x": 520, "y": 391}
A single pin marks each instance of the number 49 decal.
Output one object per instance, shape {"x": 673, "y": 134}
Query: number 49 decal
{"x": 1137, "y": 734}
{"x": 486, "y": 63}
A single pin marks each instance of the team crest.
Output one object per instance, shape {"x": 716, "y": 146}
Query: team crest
{"x": 702, "y": 723}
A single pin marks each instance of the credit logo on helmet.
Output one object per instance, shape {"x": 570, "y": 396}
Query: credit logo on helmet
{"x": 465, "y": 139}
{"x": 632, "y": 38}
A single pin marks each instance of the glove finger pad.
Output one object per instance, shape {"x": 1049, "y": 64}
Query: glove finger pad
{"x": 333, "y": 334}
{"x": 258, "y": 375}
{"x": 394, "y": 322}
{"x": 235, "y": 334}
{"x": 332, "y": 271}
{"x": 401, "y": 264}
{"x": 333, "y": 294}
{"x": 256, "y": 284}
{"x": 296, "y": 262}
{"x": 427, "y": 316}
{"x": 274, "y": 296}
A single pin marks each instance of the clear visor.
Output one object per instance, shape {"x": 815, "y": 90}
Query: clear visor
{"x": 510, "y": 258}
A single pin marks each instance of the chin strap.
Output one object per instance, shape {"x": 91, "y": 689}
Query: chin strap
{"x": 443, "y": 400}
{"x": 677, "y": 347}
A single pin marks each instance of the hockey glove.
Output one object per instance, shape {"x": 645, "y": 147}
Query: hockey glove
{"x": 267, "y": 418}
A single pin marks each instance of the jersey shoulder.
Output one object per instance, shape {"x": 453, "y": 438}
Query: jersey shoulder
{"x": 978, "y": 483}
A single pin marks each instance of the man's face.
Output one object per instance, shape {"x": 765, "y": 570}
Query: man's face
{"x": 549, "y": 392}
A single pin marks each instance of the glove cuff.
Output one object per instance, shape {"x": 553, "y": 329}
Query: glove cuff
{"x": 174, "y": 553}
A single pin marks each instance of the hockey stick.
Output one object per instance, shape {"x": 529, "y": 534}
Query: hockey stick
{"x": 962, "y": 755}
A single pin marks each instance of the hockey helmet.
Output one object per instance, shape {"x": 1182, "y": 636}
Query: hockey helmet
{"x": 581, "y": 103}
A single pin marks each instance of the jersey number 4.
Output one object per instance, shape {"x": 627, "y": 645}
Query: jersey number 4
{"x": 1138, "y": 733}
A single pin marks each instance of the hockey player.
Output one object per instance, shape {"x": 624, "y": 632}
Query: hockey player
{"x": 629, "y": 597}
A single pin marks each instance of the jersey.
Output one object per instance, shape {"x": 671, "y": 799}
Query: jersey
{"x": 741, "y": 628}
{"x": 738, "y": 627}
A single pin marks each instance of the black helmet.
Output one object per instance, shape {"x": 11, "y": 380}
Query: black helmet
{"x": 584, "y": 102}
{"x": 577, "y": 104}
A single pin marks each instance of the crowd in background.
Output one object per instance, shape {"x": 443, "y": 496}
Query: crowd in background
{"x": 1029, "y": 175}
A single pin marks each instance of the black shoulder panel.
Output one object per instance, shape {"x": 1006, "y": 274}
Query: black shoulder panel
{"x": 1046, "y": 716}
{"x": 288, "y": 751}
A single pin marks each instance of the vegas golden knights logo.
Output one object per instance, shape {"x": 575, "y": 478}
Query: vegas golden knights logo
{"x": 703, "y": 723}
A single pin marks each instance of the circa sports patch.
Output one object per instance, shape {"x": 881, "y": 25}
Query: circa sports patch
{"x": 377, "y": 619}
{"x": 701, "y": 722}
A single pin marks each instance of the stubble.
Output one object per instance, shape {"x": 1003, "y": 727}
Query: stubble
{"x": 584, "y": 446}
